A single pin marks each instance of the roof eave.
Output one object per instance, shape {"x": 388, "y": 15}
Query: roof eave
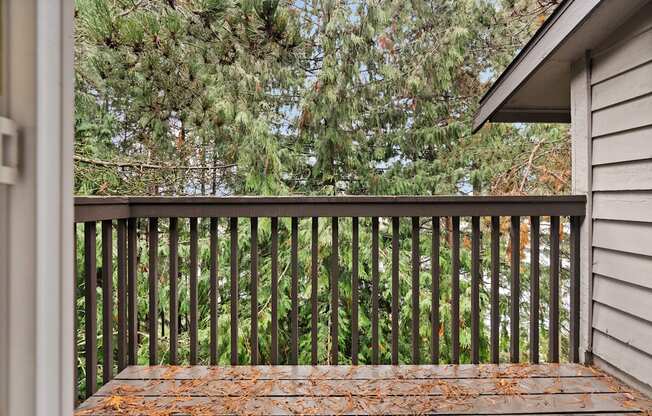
{"x": 558, "y": 27}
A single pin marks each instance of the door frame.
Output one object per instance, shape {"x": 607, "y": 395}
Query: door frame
{"x": 36, "y": 356}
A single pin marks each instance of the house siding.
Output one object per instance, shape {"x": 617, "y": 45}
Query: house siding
{"x": 621, "y": 120}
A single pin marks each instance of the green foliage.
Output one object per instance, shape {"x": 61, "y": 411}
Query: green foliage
{"x": 189, "y": 85}
{"x": 267, "y": 97}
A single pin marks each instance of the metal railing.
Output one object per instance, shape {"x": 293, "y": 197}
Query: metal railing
{"x": 127, "y": 216}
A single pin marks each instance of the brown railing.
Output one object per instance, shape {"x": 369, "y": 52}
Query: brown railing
{"x": 125, "y": 215}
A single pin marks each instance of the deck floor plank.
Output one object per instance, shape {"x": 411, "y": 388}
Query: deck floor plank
{"x": 366, "y": 372}
{"x": 355, "y": 390}
{"x": 326, "y": 388}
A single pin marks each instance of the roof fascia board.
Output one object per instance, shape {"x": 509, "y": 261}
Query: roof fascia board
{"x": 542, "y": 45}
{"x": 532, "y": 115}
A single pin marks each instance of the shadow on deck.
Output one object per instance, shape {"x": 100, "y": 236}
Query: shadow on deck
{"x": 405, "y": 389}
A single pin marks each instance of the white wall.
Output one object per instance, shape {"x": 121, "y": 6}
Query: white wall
{"x": 36, "y": 274}
{"x": 621, "y": 119}
{"x": 611, "y": 93}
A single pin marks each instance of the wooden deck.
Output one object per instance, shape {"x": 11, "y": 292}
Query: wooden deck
{"x": 425, "y": 389}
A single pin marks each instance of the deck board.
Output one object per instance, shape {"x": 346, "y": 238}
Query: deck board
{"x": 281, "y": 390}
{"x": 417, "y": 387}
{"x": 363, "y": 372}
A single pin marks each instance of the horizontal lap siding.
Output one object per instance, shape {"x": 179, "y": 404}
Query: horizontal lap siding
{"x": 617, "y": 324}
{"x": 621, "y": 106}
{"x": 624, "y": 116}
{"x": 631, "y": 52}
{"x": 630, "y": 237}
{"x": 627, "y": 359}
{"x": 630, "y": 268}
{"x": 632, "y": 84}
{"x": 625, "y": 297}
{"x": 625, "y": 206}
{"x": 623, "y": 147}
{"x": 624, "y": 176}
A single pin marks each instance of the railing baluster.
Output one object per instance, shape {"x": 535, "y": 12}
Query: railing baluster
{"x": 335, "y": 275}
{"x": 75, "y": 324}
{"x": 314, "y": 288}
{"x": 294, "y": 290}
{"x": 122, "y": 294}
{"x": 274, "y": 294}
{"x": 534, "y": 289}
{"x": 416, "y": 266}
{"x": 214, "y": 248}
{"x": 90, "y": 272}
{"x": 254, "y": 291}
{"x": 74, "y": 317}
{"x": 514, "y": 336}
{"x": 553, "y": 349}
{"x": 455, "y": 291}
{"x": 475, "y": 290}
{"x": 234, "y": 290}
{"x": 153, "y": 291}
{"x": 107, "y": 301}
{"x": 374, "y": 291}
{"x": 354, "y": 291}
{"x": 435, "y": 271}
{"x": 574, "y": 327}
{"x": 395, "y": 289}
{"x": 132, "y": 300}
{"x": 162, "y": 316}
{"x": 174, "y": 301}
{"x": 495, "y": 289}
{"x": 192, "y": 280}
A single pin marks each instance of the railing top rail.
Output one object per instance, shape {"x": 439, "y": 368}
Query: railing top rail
{"x": 344, "y": 199}
{"x": 104, "y": 208}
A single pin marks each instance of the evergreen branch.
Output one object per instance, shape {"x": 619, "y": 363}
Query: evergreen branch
{"x": 554, "y": 174}
{"x": 129, "y": 10}
{"x": 528, "y": 168}
{"x": 117, "y": 164}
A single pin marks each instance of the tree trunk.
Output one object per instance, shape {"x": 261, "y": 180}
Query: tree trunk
{"x": 214, "y": 179}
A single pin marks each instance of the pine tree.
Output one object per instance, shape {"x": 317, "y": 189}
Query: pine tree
{"x": 314, "y": 97}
